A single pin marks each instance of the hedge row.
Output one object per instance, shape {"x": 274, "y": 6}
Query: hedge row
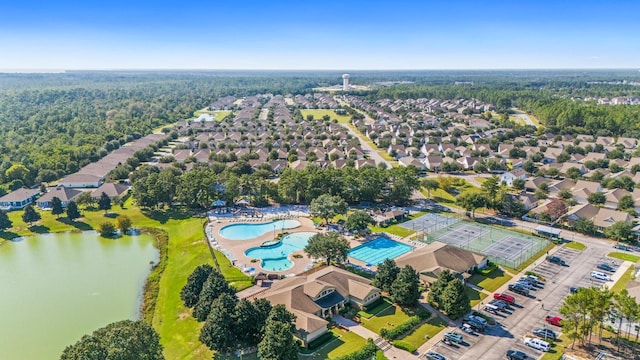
{"x": 398, "y": 331}
{"x": 404, "y": 346}
{"x": 365, "y": 353}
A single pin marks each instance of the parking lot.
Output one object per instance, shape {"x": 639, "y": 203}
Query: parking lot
{"x": 530, "y": 311}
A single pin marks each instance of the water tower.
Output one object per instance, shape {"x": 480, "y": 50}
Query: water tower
{"x": 345, "y": 82}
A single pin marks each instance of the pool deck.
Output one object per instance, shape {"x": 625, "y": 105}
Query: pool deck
{"x": 237, "y": 247}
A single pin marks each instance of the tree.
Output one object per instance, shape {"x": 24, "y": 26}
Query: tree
{"x": 430, "y": 184}
{"x": 518, "y": 183}
{"x": 5, "y": 222}
{"x": 249, "y": 323}
{"x": 72, "y": 210}
{"x": 123, "y": 223}
{"x": 472, "y": 201}
{"x": 106, "y": 229}
{"x": 454, "y": 300}
{"x": 438, "y": 286}
{"x": 358, "y": 220}
{"x": 540, "y": 194}
{"x": 585, "y": 226}
{"x": 17, "y": 172}
{"x": 85, "y": 199}
{"x": 556, "y": 208}
{"x": 574, "y": 173}
{"x": 327, "y": 206}
{"x": 405, "y": 290}
{"x": 278, "y": 342}
{"x": 596, "y": 198}
{"x": 330, "y": 246}
{"x": 30, "y": 215}
{"x": 626, "y": 202}
{"x": 117, "y": 341}
{"x": 386, "y": 275}
{"x": 56, "y": 206}
{"x": 191, "y": 290}
{"x": 219, "y": 330}
{"x": 104, "y": 203}
{"x": 490, "y": 187}
{"x": 403, "y": 181}
{"x": 619, "y": 231}
{"x": 214, "y": 287}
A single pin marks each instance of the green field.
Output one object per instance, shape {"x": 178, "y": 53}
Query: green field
{"x": 186, "y": 250}
{"x": 425, "y": 332}
{"x": 474, "y": 296}
{"x": 319, "y": 113}
{"x": 490, "y": 281}
{"x": 345, "y": 343}
{"x": 624, "y": 279}
{"x": 388, "y": 318}
{"x": 575, "y": 245}
{"x": 624, "y": 256}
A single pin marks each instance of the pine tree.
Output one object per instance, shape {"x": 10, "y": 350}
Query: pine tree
{"x": 5, "y": 222}
{"x": 56, "y": 206}
{"x": 30, "y": 215}
{"x": 72, "y": 210}
{"x": 104, "y": 203}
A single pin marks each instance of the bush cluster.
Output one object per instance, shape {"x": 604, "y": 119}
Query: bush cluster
{"x": 398, "y": 331}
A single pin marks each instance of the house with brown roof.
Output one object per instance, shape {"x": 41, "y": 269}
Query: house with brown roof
{"x": 18, "y": 199}
{"x": 64, "y": 194}
{"x": 115, "y": 191}
{"x": 317, "y": 296}
{"x": 431, "y": 260}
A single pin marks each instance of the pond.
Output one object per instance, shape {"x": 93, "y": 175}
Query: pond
{"x": 54, "y": 288}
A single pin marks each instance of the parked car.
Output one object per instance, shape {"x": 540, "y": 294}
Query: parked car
{"x": 606, "y": 267}
{"x": 600, "y": 276}
{"x": 516, "y": 355}
{"x": 545, "y": 333}
{"x": 622, "y": 247}
{"x": 518, "y": 289}
{"x": 505, "y": 297}
{"x": 432, "y": 355}
{"x": 532, "y": 280}
{"x": 526, "y": 285}
{"x": 556, "y": 260}
{"x": 491, "y": 309}
{"x": 500, "y": 304}
{"x": 453, "y": 336}
{"x": 537, "y": 344}
{"x": 574, "y": 289}
{"x": 467, "y": 328}
{"x": 554, "y": 320}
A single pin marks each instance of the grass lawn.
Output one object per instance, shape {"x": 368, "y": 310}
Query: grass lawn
{"x": 393, "y": 230}
{"x": 385, "y": 303}
{"x": 186, "y": 250}
{"x": 388, "y": 318}
{"x": 575, "y": 245}
{"x": 425, "y": 332}
{"x": 624, "y": 279}
{"x": 319, "y": 113}
{"x": 474, "y": 295}
{"x": 346, "y": 343}
{"x": 624, "y": 256}
{"x": 557, "y": 348}
{"x": 490, "y": 281}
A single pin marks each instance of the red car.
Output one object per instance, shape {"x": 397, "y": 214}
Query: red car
{"x": 554, "y": 320}
{"x": 505, "y": 297}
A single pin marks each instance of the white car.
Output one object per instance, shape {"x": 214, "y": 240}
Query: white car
{"x": 600, "y": 276}
{"x": 537, "y": 344}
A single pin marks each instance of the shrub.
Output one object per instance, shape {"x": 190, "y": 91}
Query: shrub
{"x": 398, "y": 331}
{"x": 404, "y": 346}
{"x": 323, "y": 339}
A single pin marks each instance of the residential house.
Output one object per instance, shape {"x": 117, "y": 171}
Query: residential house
{"x": 320, "y": 295}
{"x": 583, "y": 189}
{"x": 18, "y": 199}
{"x": 63, "y": 193}
{"x": 433, "y": 163}
{"x": 509, "y": 176}
{"x": 78, "y": 180}
{"x": 431, "y": 260}
{"x": 115, "y": 191}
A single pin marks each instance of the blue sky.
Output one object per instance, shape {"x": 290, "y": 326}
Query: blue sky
{"x": 328, "y": 34}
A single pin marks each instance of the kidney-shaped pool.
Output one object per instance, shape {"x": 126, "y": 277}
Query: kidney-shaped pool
{"x": 275, "y": 258}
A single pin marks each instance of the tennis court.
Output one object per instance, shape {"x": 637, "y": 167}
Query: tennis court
{"x": 504, "y": 247}
{"x": 430, "y": 222}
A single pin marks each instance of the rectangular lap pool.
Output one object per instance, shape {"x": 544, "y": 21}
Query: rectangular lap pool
{"x": 378, "y": 250}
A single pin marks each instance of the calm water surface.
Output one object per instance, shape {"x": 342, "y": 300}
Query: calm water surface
{"x": 54, "y": 288}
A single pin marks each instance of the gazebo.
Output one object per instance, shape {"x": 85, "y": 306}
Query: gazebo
{"x": 218, "y": 203}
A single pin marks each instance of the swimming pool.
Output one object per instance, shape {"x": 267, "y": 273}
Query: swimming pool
{"x": 378, "y": 250}
{"x": 274, "y": 258}
{"x": 252, "y": 231}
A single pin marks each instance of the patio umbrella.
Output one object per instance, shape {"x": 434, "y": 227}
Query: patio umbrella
{"x": 218, "y": 203}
